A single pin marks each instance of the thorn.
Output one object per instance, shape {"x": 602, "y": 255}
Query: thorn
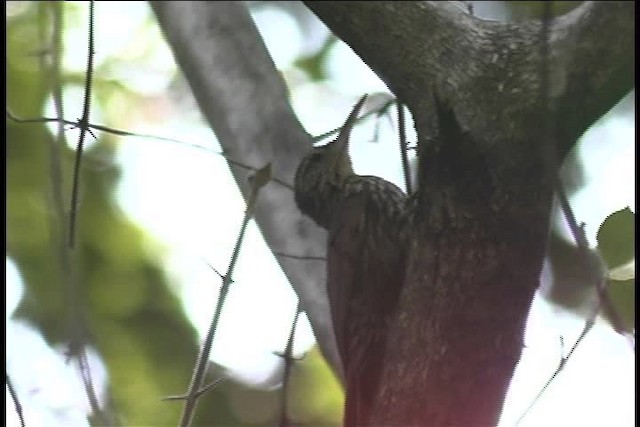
{"x": 285, "y": 356}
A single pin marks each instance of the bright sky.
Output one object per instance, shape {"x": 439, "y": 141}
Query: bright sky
{"x": 181, "y": 212}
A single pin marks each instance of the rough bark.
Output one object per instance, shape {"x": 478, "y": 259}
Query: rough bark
{"x": 484, "y": 200}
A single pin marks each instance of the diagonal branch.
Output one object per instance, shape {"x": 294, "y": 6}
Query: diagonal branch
{"x": 594, "y": 49}
{"x": 197, "y": 378}
{"x": 244, "y": 99}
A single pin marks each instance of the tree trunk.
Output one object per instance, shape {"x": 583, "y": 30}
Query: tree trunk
{"x": 487, "y": 175}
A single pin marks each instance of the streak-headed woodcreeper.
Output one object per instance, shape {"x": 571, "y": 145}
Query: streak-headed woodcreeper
{"x": 365, "y": 217}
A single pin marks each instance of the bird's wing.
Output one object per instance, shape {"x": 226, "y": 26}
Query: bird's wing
{"x": 345, "y": 248}
{"x": 364, "y": 274}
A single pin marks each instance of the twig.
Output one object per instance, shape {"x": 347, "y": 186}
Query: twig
{"x": 289, "y": 360}
{"x": 83, "y": 124}
{"x": 85, "y": 373}
{"x": 16, "y": 401}
{"x": 85, "y": 369}
{"x": 214, "y": 269}
{"x": 563, "y": 360}
{"x": 380, "y": 112}
{"x": 300, "y": 257}
{"x": 213, "y": 384}
{"x": 403, "y": 147}
{"x": 68, "y": 276}
{"x": 577, "y": 231}
{"x": 107, "y": 129}
{"x": 602, "y": 300}
{"x": 324, "y": 135}
{"x": 261, "y": 178}
{"x": 119, "y": 132}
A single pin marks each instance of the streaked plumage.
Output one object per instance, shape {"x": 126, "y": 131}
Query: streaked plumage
{"x": 366, "y": 221}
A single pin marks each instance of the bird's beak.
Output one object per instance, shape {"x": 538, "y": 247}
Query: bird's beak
{"x": 342, "y": 141}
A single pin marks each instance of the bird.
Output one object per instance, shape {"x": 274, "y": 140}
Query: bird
{"x": 366, "y": 220}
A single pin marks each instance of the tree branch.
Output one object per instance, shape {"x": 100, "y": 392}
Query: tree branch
{"x": 595, "y": 46}
{"x": 400, "y": 41}
{"x": 244, "y": 99}
{"x": 481, "y": 66}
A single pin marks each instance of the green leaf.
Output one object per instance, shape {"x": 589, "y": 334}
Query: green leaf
{"x": 616, "y": 238}
{"x": 622, "y": 294}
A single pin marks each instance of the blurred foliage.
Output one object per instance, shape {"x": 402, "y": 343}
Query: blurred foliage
{"x": 616, "y": 244}
{"x": 132, "y": 318}
{"x": 128, "y": 311}
{"x": 317, "y": 397}
{"x": 623, "y": 297}
{"x": 313, "y": 65}
{"x": 573, "y": 283}
{"x": 616, "y": 238}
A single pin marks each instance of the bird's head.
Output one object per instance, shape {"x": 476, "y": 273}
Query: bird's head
{"x": 322, "y": 171}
